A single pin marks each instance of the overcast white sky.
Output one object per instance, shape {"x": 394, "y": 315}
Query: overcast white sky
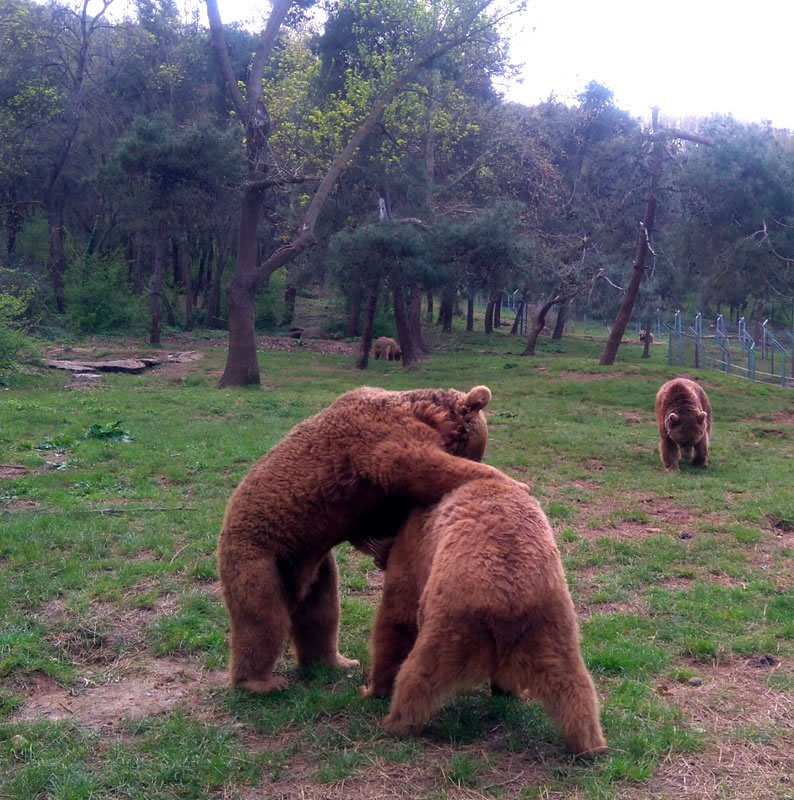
{"x": 689, "y": 57}
{"x": 686, "y": 56}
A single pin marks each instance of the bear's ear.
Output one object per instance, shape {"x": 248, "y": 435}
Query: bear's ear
{"x": 701, "y": 415}
{"x": 673, "y": 419}
{"x": 478, "y": 398}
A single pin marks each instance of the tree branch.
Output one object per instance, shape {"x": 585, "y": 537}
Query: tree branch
{"x": 222, "y": 53}
{"x": 264, "y": 49}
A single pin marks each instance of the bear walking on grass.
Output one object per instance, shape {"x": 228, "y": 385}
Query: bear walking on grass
{"x": 475, "y": 589}
{"x": 388, "y": 348}
{"x": 683, "y": 414}
{"x": 368, "y": 449}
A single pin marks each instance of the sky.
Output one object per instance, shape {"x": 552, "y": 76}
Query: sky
{"x": 689, "y": 57}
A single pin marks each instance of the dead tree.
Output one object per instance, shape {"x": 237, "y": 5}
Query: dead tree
{"x": 658, "y": 139}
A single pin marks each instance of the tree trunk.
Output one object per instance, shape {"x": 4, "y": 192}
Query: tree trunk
{"x": 157, "y": 287}
{"x": 643, "y": 246}
{"x": 497, "y": 310}
{"x": 369, "y": 322}
{"x": 187, "y": 282}
{"x": 290, "y": 293}
{"x": 562, "y": 316}
{"x": 470, "y": 312}
{"x": 489, "y": 310}
{"x": 170, "y": 318}
{"x": 353, "y": 324}
{"x": 429, "y": 312}
{"x": 198, "y": 285}
{"x": 415, "y": 318}
{"x": 13, "y": 226}
{"x": 56, "y": 256}
{"x": 403, "y": 325}
{"x": 646, "y": 351}
{"x": 540, "y": 323}
{"x": 519, "y": 313}
{"x": 214, "y": 304}
{"x": 139, "y": 244}
{"x": 242, "y": 368}
{"x": 446, "y": 307}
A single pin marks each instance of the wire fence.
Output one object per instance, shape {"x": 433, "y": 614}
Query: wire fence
{"x": 751, "y": 350}
{"x": 755, "y": 350}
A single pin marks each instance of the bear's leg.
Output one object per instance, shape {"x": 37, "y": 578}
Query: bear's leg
{"x": 440, "y": 662}
{"x": 670, "y": 453}
{"x": 259, "y": 623}
{"x": 393, "y": 636}
{"x": 315, "y": 621}
{"x": 549, "y": 666}
{"x": 701, "y": 457}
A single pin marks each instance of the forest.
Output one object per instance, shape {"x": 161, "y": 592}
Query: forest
{"x": 158, "y": 173}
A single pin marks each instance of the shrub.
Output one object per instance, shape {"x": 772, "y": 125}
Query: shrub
{"x": 99, "y": 298}
{"x": 13, "y": 342}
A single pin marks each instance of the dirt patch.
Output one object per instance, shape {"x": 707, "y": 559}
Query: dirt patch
{"x": 784, "y": 417}
{"x": 633, "y": 418}
{"x": 21, "y": 505}
{"x": 97, "y": 638}
{"x": 594, "y": 465}
{"x": 151, "y": 688}
{"x": 322, "y": 346}
{"x": 12, "y": 471}
{"x": 753, "y": 726}
{"x": 661, "y": 512}
{"x": 509, "y": 776}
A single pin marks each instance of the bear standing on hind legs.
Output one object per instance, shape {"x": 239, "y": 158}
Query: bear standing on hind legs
{"x": 475, "y": 589}
{"x": 306, "y": 495}
{"x": 683, "y": 415}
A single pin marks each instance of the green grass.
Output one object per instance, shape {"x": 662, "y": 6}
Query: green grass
{"x": 113, "y": 568}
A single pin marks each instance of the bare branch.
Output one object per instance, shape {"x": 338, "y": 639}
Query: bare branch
{"x": 264, "y": 48}
{"x": 222, "y": 53}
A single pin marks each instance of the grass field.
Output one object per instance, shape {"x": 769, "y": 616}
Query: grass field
{"x": 112, "y": 632}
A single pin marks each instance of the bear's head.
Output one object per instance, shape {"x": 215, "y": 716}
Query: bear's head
{"x": 457, "y": 416}
{"x": 686, "y": 429}
{"x": 398, "y": 354}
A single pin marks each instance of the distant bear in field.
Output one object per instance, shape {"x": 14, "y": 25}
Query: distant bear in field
{"x": 368, "y": 448}
{"x": 388, "y": 348}
{"x": 307, "y": 333}
{"x": 475, "y": 589}
{"x": 683, "y": 414}
{"x": 646, "y": 335}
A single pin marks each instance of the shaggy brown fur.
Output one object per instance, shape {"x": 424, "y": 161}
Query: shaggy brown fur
{"x": 388, "y": 348}
{"x": 644, "y": 335}
{"x": 683, "y": 414}
{"x": 307, "y": 494}
{"x": 475, "y": 589}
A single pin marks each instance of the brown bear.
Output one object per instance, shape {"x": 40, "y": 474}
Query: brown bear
{"x": 475, "y": 589}
{"x": 646, "y": 335}
{"x": 683, "y": 414}
{"x": 368, "y": 448}
{"x": 388, "y": 348}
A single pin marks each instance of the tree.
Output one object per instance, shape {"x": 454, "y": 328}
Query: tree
{"x": 436, "y": 30}
{"x": 658, "y": 139}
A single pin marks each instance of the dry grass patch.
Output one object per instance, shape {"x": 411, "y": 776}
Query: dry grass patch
{"x": 751, "y": 730}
